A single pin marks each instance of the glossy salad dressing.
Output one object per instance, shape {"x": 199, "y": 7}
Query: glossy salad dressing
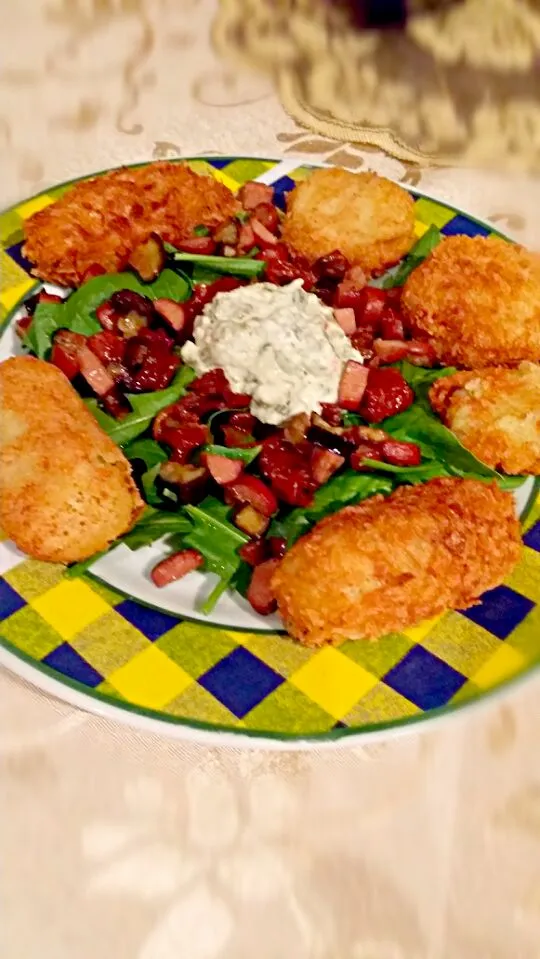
{"x": 279, "y": 344}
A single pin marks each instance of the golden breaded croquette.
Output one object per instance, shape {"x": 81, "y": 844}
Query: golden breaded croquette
{"x": 478, "y": 301}
{"x": 66, "y": 490}
{"x": 495, "y": 413}
{"x": 451, "y": 539}
{"x": 100, "y": 221}
{"x": 368, "y": 218}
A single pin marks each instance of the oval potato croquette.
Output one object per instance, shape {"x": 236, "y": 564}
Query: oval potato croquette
{"x": 368, "y": 218}
{"x": 100, "y": 221}
{"x": 387, "y": 564}
{"x": 478, "y": 301}
{"x": 66, "y": 490}
{"x": 495, "y": 413}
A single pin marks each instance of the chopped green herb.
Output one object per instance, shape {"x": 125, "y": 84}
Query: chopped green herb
{"x": 396, "y": 277}
{"x": 236, "y": 265}
{"x": 201, "y": 230}
{"x": 246, "y": 454}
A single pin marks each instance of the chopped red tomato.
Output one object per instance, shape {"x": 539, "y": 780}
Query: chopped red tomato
{"x": 66, "y": 352}
{"x": 250, "y": 489}
{"x": 254, "y": 552}
{"x": 386, "y": 394}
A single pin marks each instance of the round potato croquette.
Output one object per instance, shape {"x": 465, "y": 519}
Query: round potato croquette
{"x": 451, "y": 540}
{"x": 478, "y": 301}
{"x": 368, "y": 218}
{"x": 495, "y": 413}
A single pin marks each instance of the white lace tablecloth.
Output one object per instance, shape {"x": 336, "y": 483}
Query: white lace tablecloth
{"x": 116, "y": 843}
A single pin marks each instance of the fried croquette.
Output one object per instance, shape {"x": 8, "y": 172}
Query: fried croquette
{"x": 451, "y": 539}
{"x": 495, "y": 413}
{"x": 478, "y": 301}
{"x": 66, "y": 490}
{"x": 100, "y": 221}
{"x": 368, "y": 218}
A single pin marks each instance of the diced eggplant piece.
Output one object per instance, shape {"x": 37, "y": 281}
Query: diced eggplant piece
{"x": 148, "y": 258}
{"x": 295, "y": 429}
{"x": 131, "y": 324}
{"x": 324, "y": 464}
{"x": 126, "y": 301}
{"x": 329, "y": 440}
{"x": 250, "y": 521}
{"x": 227, "y": 233}
{"x": 188, "y": 482}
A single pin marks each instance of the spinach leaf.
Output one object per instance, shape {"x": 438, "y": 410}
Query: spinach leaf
{"x": 431, "y": 238}
{"x": 421, "y": 379}
{"x": 171, "y": 284}
{"x": 83, "y": 303}
{"x": 45, "y": 322}
{"x": 202, "y": 274}
{"x": 436, "y": 442}
{"x": 77, "y": 312}
{"x": 510, "y": 482}
{"x": 149, "y": 404}
{"x": 147, "y": 450}
{"x": 342, "y": 490}
{"x": 218, "y": 541}
{"x": 351, "y": 419}
{"x": 409, "y": 474}
{"x": 145, "y": 406}
{"x": 155, "y": 523}
{"x": 235, "y": 265}
{"x": 246, "y": 454}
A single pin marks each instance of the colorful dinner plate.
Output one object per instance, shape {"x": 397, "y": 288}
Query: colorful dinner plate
{"x": 113, "y": 643}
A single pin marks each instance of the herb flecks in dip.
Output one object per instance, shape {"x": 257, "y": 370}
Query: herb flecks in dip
{"x": 279, "y": 344}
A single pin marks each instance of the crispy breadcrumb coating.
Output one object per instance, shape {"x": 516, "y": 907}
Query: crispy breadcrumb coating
{"x": 495, "y": 413}
{"x": 100, "y": 221}
{"x": 478, "y": 300}
{"x": 368, "y": 218}
{"x": 387, "y": 564}
{"x": 66, "y": 490}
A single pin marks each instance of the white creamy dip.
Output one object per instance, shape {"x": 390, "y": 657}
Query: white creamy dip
{"x": 277, "y": 343}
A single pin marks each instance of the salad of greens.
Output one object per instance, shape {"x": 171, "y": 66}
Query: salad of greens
{"x": 154, "y": 407}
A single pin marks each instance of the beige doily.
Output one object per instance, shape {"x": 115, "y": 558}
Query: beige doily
{"x": 459, "y": 86}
